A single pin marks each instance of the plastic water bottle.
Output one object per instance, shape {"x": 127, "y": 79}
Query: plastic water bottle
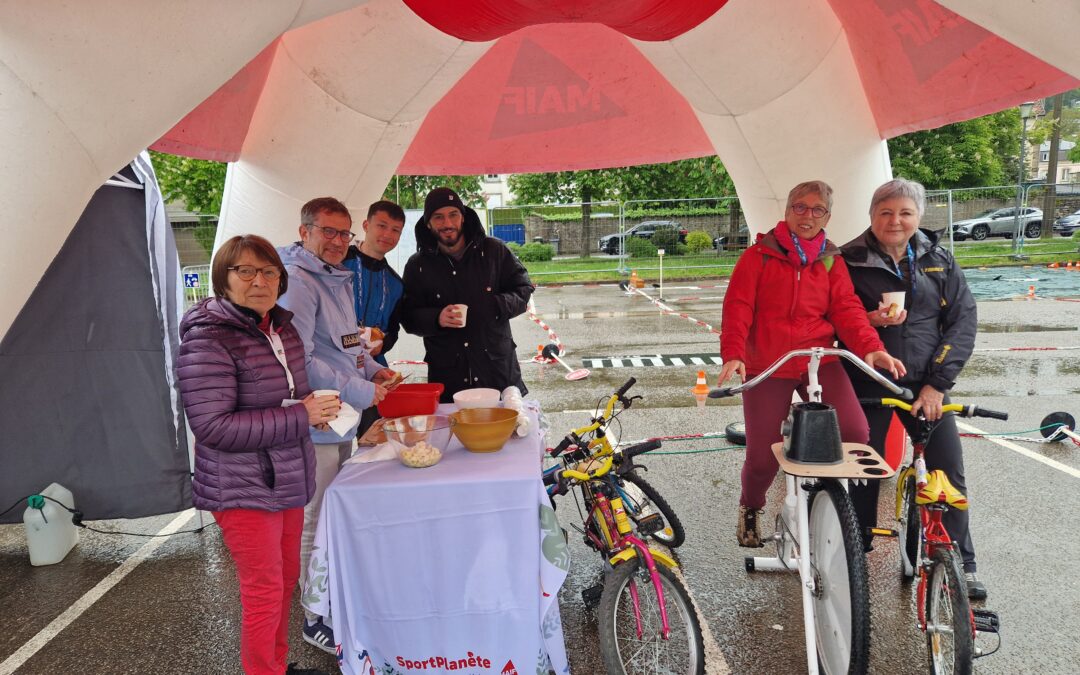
{"x": 50, "y": 534}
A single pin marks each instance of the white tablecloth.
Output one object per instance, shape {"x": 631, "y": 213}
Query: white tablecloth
{"x": 452, "y": 568}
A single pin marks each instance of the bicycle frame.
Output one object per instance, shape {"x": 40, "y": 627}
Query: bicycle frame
{"x": 607, "y": 525}
{"x": 932, "y": 532}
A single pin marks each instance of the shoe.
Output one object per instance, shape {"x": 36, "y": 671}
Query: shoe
{"x": 294, "y": 670}
{"x": 976, "y": 589}
{"x": 320, "y": 635}
{"x": 748, "y": 533}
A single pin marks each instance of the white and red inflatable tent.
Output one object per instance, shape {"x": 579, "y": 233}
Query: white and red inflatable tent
{"x": 316, "y": 97}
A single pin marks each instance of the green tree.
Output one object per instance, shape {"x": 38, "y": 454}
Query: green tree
{"x": 409, "y": 191}
{"x": 684, "y": 179}
{"x": 198, "y": 183}
{"x": 979, "y": 152}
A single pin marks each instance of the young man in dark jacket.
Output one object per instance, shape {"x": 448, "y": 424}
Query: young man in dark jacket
{"x": 377, "y": 287}
{"x": 457, "y": 265}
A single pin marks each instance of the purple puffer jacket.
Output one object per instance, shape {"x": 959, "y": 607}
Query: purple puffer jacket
{"x": 250, "y": 453}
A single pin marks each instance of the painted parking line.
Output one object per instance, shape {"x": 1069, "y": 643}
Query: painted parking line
{"x": 1052, "y": 463}
{"x": 652, "y": 361}
{"x": 35, "y": 644}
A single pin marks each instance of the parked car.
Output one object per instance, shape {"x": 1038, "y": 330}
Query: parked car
{"x": 1066, "y": 225}
{"x": 643, "y": 230}
{"x": 742, "y": 240}
{"x": 999, "y": 223}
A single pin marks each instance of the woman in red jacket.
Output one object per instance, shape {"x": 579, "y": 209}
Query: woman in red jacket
{"x": 791, "y": 290}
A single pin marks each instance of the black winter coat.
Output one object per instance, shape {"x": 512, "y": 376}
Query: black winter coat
{"x": 938, "y": 336}
{"x": 496, "y": 288}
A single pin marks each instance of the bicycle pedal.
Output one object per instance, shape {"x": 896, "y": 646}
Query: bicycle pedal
{"x": 986, "y": 621}
{"x": 882, "y": 532}
{"x": 591, "y": 596}
{"x": 650, "y": 524}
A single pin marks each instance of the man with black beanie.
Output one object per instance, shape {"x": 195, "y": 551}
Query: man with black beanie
{"x": 461, "y": 290}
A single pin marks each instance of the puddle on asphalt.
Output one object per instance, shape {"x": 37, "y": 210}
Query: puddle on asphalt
{"x": 1022, "y": 328}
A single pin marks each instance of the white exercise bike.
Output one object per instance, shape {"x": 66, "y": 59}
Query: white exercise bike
{"x": 817, "y": 533}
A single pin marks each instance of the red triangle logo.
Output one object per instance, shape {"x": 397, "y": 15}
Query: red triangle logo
{"x": 542, "y": 93}
{"x": 509, "y": 669}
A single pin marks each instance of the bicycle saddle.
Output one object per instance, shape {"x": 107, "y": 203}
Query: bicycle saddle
{"x": 939, "y": 489}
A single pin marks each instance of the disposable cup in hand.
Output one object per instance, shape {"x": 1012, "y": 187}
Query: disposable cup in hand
{"x": 462, "y": 311}
{"x": 893, "y": 302}
{"x": 327, "y": 392}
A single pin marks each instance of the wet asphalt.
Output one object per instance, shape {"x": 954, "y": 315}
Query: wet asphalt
{"x": 178, "y": 610}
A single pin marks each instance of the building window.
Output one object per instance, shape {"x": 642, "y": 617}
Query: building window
{"x": 1065, "y": 175}
{"x": 491, "y": 178}
{"x": 1044, "y": 157}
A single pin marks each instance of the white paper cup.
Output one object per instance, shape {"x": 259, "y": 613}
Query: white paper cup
{"x": 462, "y": 311}
{"x": 888, "y": 300}
{"x": 327, "y": 392}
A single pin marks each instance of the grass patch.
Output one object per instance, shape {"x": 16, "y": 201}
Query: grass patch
{"x": 711, "y": 265}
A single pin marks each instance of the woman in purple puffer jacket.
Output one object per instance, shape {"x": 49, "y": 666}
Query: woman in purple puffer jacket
{"x": 240, "y": 359}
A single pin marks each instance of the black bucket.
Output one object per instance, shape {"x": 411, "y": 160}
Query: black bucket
{"x": 812, "y": 434}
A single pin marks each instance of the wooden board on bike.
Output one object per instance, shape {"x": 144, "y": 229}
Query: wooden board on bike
{"x": 860, "y": 461}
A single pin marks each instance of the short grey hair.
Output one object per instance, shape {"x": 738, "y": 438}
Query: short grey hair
{"x": 818, "y": 187}
{"x": 900, "y": 188}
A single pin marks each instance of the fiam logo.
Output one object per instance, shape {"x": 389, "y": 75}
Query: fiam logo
{"x": 543, "y": 94}
{"x": 933, "y": 37}
{"x": 509, "y": 669}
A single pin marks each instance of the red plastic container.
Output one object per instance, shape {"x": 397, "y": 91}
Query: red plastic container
{"x": 411, "y": 399}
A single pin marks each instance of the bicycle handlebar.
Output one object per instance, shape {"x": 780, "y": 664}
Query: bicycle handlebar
{"x": 626, "y": 387}
{"x": 724, "y": 392}
{"x": 958, "y": 408}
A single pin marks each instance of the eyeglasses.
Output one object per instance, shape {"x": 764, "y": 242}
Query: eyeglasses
{"x": 248, "y": 272}
{"x": 332, "y": 234}
{"x": 800, "y": 209}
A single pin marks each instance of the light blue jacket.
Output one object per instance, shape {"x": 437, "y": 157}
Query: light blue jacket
{"x": 320, "y": 296}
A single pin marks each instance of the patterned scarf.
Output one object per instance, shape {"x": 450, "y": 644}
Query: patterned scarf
{"x": 796, "y": 248}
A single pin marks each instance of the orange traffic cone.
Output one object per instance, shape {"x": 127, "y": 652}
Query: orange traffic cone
{"x": 701, "y": 389}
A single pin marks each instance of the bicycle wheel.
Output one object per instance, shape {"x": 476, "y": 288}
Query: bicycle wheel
{"x": 909, "y": 524}
{"x": 842, "y": 595}
{"x": 625, "y": 653}
{"x": 949, "y": 637}
{"x": 645, "y": 501}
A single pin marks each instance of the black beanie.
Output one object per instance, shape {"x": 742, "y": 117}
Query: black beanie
{"x": 438, "y": 198}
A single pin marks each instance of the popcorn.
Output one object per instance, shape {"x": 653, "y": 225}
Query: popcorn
{"x": 421, "y": 455}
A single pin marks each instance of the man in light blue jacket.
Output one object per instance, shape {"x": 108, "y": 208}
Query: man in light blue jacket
{"x": 320, "y": 296}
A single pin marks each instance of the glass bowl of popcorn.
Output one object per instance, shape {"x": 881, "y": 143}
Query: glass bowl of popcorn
{"x": 420, "y": 440}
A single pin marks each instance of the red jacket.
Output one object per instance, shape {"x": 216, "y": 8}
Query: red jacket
{"x": 771, "y": 308}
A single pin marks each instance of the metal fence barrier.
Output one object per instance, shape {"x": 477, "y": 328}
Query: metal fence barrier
{"x": 605, "y": 232}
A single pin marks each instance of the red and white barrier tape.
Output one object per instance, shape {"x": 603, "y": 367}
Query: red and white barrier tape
{"x": 664, "y": 309}
{"x": 1024, "y": 349}
{"x": 531, "y": 309}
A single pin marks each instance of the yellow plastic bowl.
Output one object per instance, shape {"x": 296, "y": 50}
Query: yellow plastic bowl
{"x": 484, "y": 429}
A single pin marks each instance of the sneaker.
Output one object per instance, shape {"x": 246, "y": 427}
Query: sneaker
{"x": 748, "y": 533}
{"x": 294, "y": 670}
{"x": 320, "y": 635}
{"x": 976, "y": 589}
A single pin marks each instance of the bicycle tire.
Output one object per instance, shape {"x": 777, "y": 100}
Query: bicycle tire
{"x": 949, "y": 637}
{"x": 842, "y": 589}
{"x": 685, "y": 648}
{"x": 674, "y": 534}
{"x": 909, "y": 523}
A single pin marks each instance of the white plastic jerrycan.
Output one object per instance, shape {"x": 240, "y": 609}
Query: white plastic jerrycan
{"x": 50, "y": 534}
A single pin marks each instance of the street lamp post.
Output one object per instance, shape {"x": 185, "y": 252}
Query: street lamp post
{"x": 1018, "y": 239}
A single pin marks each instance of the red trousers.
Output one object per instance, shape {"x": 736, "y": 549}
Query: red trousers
{"x": 266, "y": 548}
{"x": 766, "y": 406}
